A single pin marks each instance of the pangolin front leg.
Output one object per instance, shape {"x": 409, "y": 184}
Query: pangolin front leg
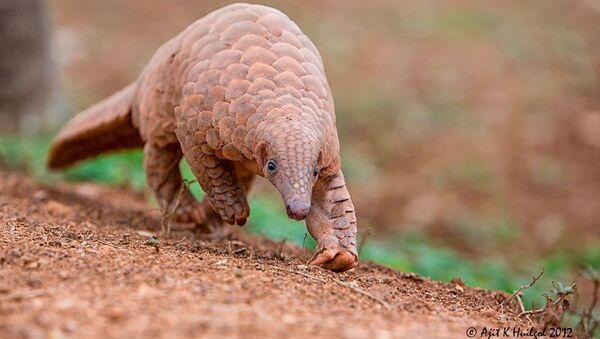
{"x": 220, "y": 181}
{"x": 332, "y": 222}
{"x": 164, "y": 178}
{"x": 211, "y": 218}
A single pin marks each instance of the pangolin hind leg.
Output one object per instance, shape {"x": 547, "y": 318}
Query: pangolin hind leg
{"x": 220, "y": 181}
{"x": 332, "y": 222}
{"x": 164, "y": 178}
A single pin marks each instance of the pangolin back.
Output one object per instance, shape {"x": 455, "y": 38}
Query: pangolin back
{"x": 235, "y": 75}
{"x": 244, "y": 71}
{"x": 105, "y": 126}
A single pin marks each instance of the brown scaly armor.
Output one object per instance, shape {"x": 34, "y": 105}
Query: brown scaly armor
{"x": 241, "y": 92}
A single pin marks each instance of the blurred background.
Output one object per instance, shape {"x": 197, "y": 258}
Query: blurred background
{"x": 470, "y": 130}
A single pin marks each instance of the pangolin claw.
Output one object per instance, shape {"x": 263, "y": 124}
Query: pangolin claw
{"x": 334, "y": 257}
{"x": 337, "y": 262}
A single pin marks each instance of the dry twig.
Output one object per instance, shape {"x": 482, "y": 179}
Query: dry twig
{"x": 561, "y": 297}
{"x": 521, "y": 289}
{"x": 107, "y": 244}
{"x": 365, "y": 293}
{"x": 169, "y": 210}
{"x": 521, "y": 307}
{"x": 239, "y": 250}
{"x": 300, "y": 273}
{"x": 363, "y": 241}
{"x": 588, "y": 322}
{"x": 23, "y": 295}
{"x": 353, "y": 288}
{"x": 280, "y": 246}
{"x": 530, "y": 312}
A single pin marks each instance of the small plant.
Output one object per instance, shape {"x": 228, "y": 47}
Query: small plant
{"x": 553, "y": 313}
{"x": 588, "y": 320}
{"x": 169, "y": 210}
{"x": 154, "y": 242}
{"x": 519, "y": 292}
{"x": 558, "y": 311}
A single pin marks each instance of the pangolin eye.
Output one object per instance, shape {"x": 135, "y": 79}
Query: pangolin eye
{"x": 315, "y": 172}
{"x": 271, "y": 166}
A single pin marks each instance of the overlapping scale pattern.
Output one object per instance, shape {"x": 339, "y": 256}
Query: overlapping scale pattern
{"x": 238, "y": 77}
{"x": 240, "y": 64}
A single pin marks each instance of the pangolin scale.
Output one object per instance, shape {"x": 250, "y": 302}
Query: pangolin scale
{"x": 240, "y": 92}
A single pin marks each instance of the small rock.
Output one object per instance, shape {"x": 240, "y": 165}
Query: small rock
{"x": 15, "y": 252}
{"x": 289, "y": 319}
{"x": 105, "y": 250}
{"x": 70, "y": 325}
{"x": 145, "y": 233}
{"x": 115, "y": 314}
{"x": 27, "y": 261}
{"x": 353, "y": 283}
{"x": 40, "y": 195}
{"x": 57, "y": 208}
{"x": 457, "y": 281}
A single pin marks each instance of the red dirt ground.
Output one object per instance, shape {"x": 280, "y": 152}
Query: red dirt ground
{"x": 73, "y": 263}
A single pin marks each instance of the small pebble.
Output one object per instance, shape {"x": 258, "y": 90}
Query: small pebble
{"x": 40, "y": 195}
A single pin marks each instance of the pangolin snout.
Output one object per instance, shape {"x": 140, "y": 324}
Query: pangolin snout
{"x": 297, "y": 210}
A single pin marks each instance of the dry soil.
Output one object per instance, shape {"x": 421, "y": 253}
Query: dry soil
{"x": 74, "y": 262}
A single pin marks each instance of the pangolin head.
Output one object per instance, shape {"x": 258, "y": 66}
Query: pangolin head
{"x": 290, "y": 160}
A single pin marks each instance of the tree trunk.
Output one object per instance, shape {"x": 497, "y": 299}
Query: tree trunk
{"x": 25, "y": 67}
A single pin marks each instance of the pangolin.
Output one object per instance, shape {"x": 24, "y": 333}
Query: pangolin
{"x": 240, "y": 92}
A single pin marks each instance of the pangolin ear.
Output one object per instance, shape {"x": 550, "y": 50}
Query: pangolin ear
{"x": 260, "y": 152}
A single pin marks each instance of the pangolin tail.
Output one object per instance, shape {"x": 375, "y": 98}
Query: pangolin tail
{"x": 105, "y": 126}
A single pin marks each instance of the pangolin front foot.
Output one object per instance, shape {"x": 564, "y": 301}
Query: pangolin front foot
{"x": 330, "y": 254}
{"x": 332, "y": 222}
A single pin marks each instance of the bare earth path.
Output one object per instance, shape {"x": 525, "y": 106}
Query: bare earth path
{"x": 73, "y": 263}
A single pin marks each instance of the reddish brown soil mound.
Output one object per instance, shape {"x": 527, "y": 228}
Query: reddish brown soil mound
{"x": 74, "y": 262}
